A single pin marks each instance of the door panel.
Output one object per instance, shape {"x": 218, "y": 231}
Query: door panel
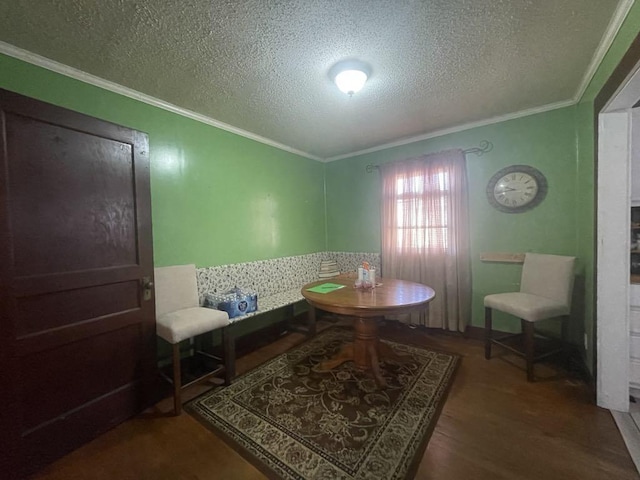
{"x": 74, "y": 306}
{"x": 77, "y": 334}
{"x": 56, "y": 337}
{"x": 78, "y": 426}
{"x": 44, "y": 194}
{"x": 57, "y": 380}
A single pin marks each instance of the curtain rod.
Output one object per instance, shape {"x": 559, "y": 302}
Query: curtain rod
{"x": 485, "y": 146}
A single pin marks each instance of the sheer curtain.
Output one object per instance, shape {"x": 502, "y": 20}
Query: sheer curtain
{"x": 425, "y": 233}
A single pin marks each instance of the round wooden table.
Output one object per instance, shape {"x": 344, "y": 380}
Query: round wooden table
{"x": 367, "y": 307}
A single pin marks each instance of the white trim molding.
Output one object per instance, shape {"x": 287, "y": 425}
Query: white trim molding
{"x": 607, "y": 39}
{"x": 456, "y": 129}
{"x": 85, "y": 77}
{"x": 610, "y": 34}
{"x": 612, "y": 291}
{"x": 614, "y": 26}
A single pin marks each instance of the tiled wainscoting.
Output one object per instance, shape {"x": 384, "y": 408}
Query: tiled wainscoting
{"x": 270, "y": 277}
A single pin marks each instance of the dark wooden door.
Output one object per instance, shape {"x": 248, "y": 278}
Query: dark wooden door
{"x": 77, "y": 332}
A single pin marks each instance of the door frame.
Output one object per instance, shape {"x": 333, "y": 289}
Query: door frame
{"x": 612, "y": 162}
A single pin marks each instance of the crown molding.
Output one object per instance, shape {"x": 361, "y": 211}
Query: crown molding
{"x": 612, "y": 30}
{"x": 457, "y": 129}
{"x": 610, "y": 34}
{"x": 85, "y": 77}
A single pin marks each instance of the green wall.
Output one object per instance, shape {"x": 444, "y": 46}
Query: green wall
{"x": 217, "y": 197}
{"x": 545, "y": 141}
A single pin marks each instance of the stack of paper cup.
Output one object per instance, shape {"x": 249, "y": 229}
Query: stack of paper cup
{"x": 328, "y": 269}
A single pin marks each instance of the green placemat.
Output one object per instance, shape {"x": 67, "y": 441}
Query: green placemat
{"x": 325, "y": 288}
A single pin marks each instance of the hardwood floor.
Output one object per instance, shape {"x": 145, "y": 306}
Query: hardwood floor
{"x": 494, "y": 425}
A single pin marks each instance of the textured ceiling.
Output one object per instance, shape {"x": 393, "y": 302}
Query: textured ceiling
{"x": 262, "y": 65}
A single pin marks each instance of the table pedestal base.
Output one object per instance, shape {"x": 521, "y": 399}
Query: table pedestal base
{"x": 365, "y": 351}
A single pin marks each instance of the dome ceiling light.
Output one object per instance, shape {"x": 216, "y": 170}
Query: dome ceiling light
{"x": 350, "y": 75}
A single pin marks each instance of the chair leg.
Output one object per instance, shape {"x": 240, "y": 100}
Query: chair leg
{"x": 229, "y": 354}
{"x": 487, "y": 332}
{"x": 564, "y": 328}
{"x": 564, "y": 339}
{"x": 529, "y": 348}
{"x": 177, "y": 380}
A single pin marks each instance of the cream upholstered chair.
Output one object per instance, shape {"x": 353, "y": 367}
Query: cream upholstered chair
{"x": 545, "y": 292}
{"x": 179, "y": 316}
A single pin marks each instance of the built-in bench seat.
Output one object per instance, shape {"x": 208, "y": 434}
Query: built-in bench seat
{"x": 278, "y": 282}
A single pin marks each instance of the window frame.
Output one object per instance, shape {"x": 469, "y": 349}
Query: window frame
{"x": 420, "y": 188}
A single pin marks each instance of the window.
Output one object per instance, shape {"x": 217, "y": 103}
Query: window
{"x": 422, "y": 217}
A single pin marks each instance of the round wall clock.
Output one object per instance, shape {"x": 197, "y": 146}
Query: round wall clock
{"x": 516, "y": 189}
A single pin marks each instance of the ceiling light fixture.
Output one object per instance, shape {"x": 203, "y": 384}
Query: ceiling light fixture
{"x": 350, "y": 75}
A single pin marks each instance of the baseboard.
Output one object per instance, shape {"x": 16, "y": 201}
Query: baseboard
{"x": 476, "y": 333}
{"x": 630, "y": 434}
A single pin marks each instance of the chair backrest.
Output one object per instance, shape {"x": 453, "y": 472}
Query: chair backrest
{"x": 176, "y": 288}
{"x": 549, "y": 276}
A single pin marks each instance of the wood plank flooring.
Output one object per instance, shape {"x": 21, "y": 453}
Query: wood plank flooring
{"x": 495, "y": 425}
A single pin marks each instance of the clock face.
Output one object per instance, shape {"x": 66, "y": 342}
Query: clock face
{"x": 516, "y": 189}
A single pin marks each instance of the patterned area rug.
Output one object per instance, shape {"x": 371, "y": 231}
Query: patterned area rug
{"x": 293, "y": 422}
